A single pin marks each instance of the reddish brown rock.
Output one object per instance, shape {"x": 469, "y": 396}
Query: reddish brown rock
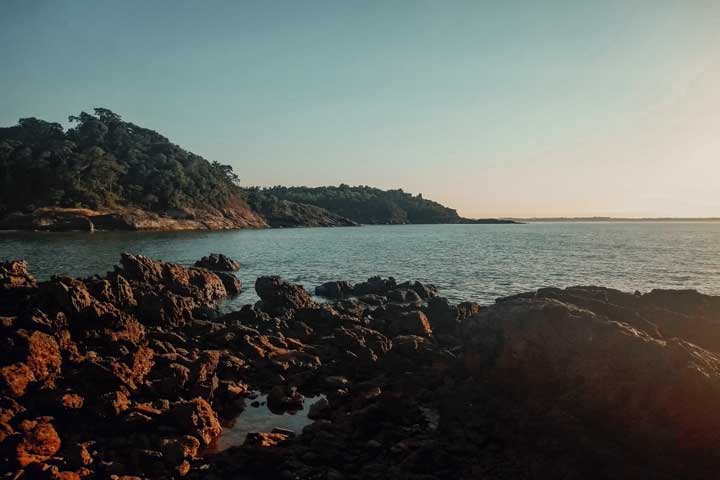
{"x": 277, "y": 294}
{"x": 15, "y": 378}
{"x": 14, "y": 276}
{"x": 196, "y": 418}
{"x": 35, "y": 441}
{"x": 410, "y": 323}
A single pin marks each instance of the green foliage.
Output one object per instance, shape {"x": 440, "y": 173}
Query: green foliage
{"x": 105, "y": 162}
{"x": 362, "y": 204}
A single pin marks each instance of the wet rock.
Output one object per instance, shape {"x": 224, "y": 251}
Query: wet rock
{"x": 403, "y": 295}
{"x": 264, "y": 440}
{"x": 373, "y": 299}
{"x": 336, "y": 289}
{"x": 319, "y": 409}
{"x": 283, "y": 398}
{"x": 218, "y": 262}
{"x": 232, "y": 285}
{"x": 425, "y": 292}
{"x": 375, "y": 285}
{"x": 277, "y": 295}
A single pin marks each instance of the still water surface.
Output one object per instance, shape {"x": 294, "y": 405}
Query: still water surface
{"x": 467, "y": 262}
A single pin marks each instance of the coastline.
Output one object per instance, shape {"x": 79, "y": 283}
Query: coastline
{"x": 134, "y": 219}
{"x": 97, "y": 367}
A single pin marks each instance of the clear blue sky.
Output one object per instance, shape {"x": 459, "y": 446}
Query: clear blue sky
{"x": 496, "y": 108}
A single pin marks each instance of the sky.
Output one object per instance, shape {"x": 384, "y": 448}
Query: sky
{"x": 514, "y": 108}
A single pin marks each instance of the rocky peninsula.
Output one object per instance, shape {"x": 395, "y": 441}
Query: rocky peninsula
{"x": 137, "y": 373}
{"x": 110, "y": 174}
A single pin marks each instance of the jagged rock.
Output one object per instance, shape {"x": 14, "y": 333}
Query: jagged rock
{"x": 218, "y": 262}
{"x": 195, "y": 417}
{"x": 40, "y": 362}
{"x": 443, "y": 317}
{"x": 337, "y": 289}
{"x": 277, "y": 295}
{"x": 414, "y": 322}
{"x": 283, "y": 398}
{"x": 366, "y": 344}
{"x": 375, "y": 285}
{"x": 403, "y": 295}
{"x": 35, "y": 441}
{"x": 232, "y": 285}
{"x": 264, "y": 440}
{"x": 425, "y": 292}
{"x": 15, "y": 277}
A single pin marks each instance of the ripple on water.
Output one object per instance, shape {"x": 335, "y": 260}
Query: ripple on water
{"x": 466, "y": 262}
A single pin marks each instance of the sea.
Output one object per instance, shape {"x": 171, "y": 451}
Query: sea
{"x": 466, "y": 262}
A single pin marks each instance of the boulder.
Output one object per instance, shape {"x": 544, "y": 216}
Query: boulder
{"x": 15, "y": 277}
{"x": 283, "y": 398}
{"x": 656, "y": 396}
{"x": 35, "y": 441}
{"x": 414, "y": 322}
{"x": 337, "y": 289}
{"x": 443, "y": 316}
{"x": 197, "y": 418}
{"x": 375, "y": 285}
{"x": 218, "y": 262}
{"x": 278, "y": 295}
{"x": 40, "y": 361}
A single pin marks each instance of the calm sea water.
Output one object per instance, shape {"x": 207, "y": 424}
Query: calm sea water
{"x": 467, "y": 262}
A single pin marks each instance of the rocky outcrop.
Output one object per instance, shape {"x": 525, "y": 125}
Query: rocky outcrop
{"x": 278, "y": 295}
{"x": 83, "y": 219}
{"x": 218, "y": 262}
{"x": 131, "y": 374}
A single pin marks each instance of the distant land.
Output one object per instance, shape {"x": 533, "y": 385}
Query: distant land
{"x": 615, "y": 219}
{"x": 109, "y": 174}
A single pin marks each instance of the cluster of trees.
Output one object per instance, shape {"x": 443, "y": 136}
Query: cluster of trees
{"x": 105, "y": 162}
{"x": 363, "y": 204}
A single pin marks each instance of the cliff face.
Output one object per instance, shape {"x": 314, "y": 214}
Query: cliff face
{"x": 77, "y": 219}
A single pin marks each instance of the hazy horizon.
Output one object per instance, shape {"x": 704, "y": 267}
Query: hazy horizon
{"x": 529, "y": 109}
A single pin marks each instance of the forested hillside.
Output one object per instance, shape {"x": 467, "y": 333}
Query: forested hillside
{"x": 104, "y": 162}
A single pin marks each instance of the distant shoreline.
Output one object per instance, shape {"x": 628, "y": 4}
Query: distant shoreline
{"x": 615, "y": 219}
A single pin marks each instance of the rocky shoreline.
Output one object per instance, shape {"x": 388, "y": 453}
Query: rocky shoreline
{"x": 134, "y": 374}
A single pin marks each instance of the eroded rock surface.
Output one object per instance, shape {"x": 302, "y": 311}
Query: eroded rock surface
{"x": 130, "y": 375}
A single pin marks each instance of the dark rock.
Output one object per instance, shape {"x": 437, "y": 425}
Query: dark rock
{"x": 410, "y": 323}
{"x": 35, "y": 441}
{"x": 283, "y": 398}
{"x": 375, "y": 285}
{"x": 278, "y": 295}
{"x": 218, "y": 262}
{"x": 337, "y": 289}
{"x": 195, "y": 417}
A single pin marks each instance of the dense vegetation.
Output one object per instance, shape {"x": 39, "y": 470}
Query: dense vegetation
{"x": 369, "y": 205}
{"x": 105, "y": 162}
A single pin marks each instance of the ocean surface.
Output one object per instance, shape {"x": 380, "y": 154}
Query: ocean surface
{"x": 466, "y": 262}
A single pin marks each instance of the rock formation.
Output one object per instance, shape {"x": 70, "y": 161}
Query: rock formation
{"x": 133, "y": 374}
